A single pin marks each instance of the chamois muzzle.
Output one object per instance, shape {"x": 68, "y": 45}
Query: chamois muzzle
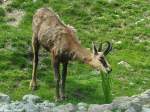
{"x": 109, "y": 70}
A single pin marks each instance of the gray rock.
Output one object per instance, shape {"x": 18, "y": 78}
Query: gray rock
{"x": 108, "y": 111}
{"x": 5, "y": 108}
{"x": 147, "y": 105}
{"x": 17, "y": 106}
{"x": 121, "y": 103}
{"x": 144, "y": 109}
{"x": 31, "y": 103}
{"x": 136, "y": 100}
{"x": 30, "y": 107}
{"x": 131, "y": 109}
{"x": 125, "y": 64}
{"x": 82, "y": 107}
{"x": 100, "y": 108}
{"x": 144, "y": 98}
{"x": 31, "y": 98}
{"x": 136, "y": 106}
{"x": 4, "y": 98}
{"x": 147, "y": 92}
{"x": 65, "y": 108}
{"x": 12, "y": 107}
{"x": 46, "y": 106}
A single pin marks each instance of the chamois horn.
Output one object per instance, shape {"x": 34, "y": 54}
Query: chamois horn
{"x": 108, "y": 49}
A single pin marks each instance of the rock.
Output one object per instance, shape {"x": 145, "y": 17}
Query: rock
{"x": 65, "y": 108}
{"x": 136, "y": 100}
{"x": 131, "y": 109}
{"x": 14, "y": 17}
{"x": 82, "y": 104}
{"x": 126, "y": 104}
{"x": 82, "y": 107}
{"x": 4, "y": 98}
{"x": 144, "y": 109}
{"x": 4, "y": 107}
{"x": 143, "y": 99}
{"x": 147, "y": 92}
{"x": 100, "y": 108}
{"x": 31, "y": 103}
{"x": 121, "y": 103}
{"x": 147, "y": 105}
{"x": 12, "y": 107}
{"x": 137, "y": 107}
{"x": 125, "y": 64}
{"x": 30, "y": 107}
{"x": 31, "y": 98}
{"x": 46, "y": 106}
{"x": 19, "y": 106}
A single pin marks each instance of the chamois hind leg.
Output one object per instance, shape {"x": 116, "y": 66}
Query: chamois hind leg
{"x": 35, "y": 46}
{"x": 56, "y": 65}
{"x": 63, "y": 80}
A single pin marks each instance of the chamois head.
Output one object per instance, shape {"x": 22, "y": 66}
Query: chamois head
{"x": 99, "y": 57}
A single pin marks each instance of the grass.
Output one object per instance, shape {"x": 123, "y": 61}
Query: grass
{"x": 95, "y": 20}
{"x": 106, "y": 85}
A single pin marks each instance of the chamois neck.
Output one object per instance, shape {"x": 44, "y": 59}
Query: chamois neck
{"x": 82, "y": 54}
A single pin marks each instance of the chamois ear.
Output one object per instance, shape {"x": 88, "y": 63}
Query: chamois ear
{"x": 95, "y": 52}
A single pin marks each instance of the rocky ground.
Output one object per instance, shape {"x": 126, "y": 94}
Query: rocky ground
{"x": 31, "y": 103}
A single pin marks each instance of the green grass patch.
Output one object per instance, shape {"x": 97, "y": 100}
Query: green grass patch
{"x": 106, "y": 85}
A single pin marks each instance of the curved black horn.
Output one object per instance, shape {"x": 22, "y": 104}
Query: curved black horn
{"x": 108, "y": 49}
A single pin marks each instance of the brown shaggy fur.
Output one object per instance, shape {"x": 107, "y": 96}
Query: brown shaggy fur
{"x": 60, "y": 40}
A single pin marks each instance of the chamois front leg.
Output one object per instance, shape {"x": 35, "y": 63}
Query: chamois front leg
{"x": 63, "y": 80}
{"x": 56, "y": 65}
{"x": 35, "y": 46}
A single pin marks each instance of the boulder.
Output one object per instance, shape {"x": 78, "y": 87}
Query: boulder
{"x": 4, "y": 98}
{"x": 82, "y": 107}
{"x": 145, "y": 109}
{"x": 31, "y": 107}
{"x": 121, "y": 103}
{"x": 46, "y": 106}
{"x": 100, "y": 108}
{"x": 31, "y": 98}
{"x": 125, "y": 64}
{"x": 65, "y": 108}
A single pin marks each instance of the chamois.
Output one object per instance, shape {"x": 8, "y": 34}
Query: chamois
{"x": 60, "y": 40}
